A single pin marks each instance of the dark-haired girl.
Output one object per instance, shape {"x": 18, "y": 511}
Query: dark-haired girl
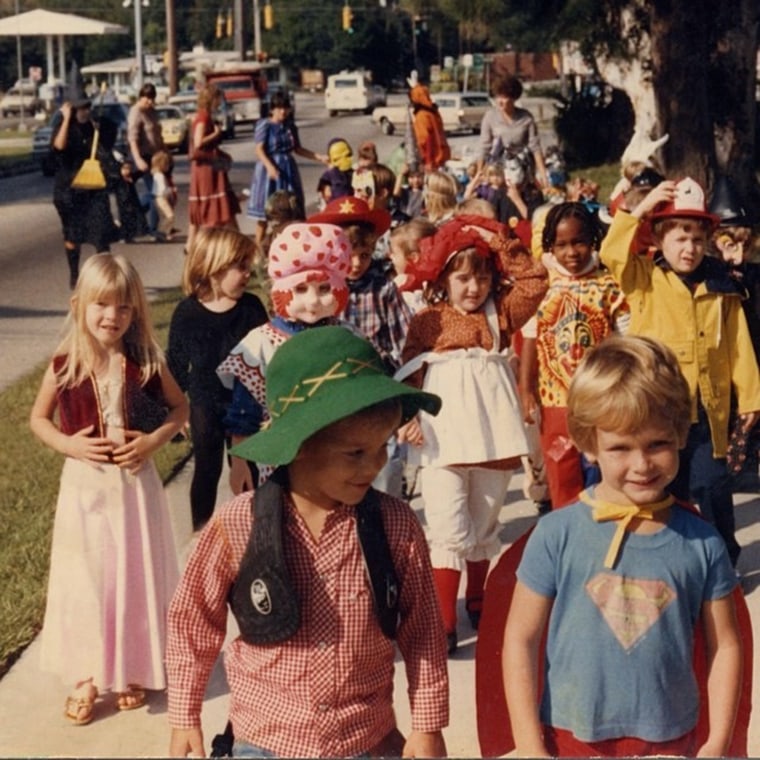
{"x": 276, "y": 139}
{"x": 583, "y": 306}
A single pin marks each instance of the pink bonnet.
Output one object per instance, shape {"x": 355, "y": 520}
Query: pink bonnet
{"x": 305, "y": 251}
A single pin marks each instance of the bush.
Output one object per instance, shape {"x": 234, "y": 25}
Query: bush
{"x": 594, "y": 124}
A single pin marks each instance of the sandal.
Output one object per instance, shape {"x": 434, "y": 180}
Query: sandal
{"x": 132, "y": 698}
{"x": 80, "y": 705}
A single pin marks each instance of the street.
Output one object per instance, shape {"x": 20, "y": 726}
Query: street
{"x": 34, "y": 290}
{"x": 34, "y": 298}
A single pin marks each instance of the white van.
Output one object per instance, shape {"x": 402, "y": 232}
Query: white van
{"x": 352, "y": 91}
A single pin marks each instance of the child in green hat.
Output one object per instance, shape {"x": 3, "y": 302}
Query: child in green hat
{"x": 321, "y": 572}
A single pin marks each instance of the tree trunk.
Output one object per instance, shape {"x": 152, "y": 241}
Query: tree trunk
{"x": 732, "y": 93}
{"x": 679, "y": 34}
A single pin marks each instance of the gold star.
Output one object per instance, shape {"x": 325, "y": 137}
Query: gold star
{"x": 347, "y": 207}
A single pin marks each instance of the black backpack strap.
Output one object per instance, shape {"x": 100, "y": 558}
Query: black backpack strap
{"x": 378, "y": 562}
{"x": 262, "y": 598}
{"x": 221, "y": 744}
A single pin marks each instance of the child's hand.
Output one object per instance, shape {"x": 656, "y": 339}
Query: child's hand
{"x": 529, "y": 406}
{"x": 411, "y": 433}
{"x": 749, "y": 420}
{"x": 240, "y": 475}
{"x": 662, "y": 193}
{"x": 131, "y": 456}
{"x": 186, "y": 742}
{"x": 424, "y": 744}
{"x": 88, "y": 449}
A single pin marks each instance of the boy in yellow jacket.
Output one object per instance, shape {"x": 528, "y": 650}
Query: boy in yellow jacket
{"x": 687, "y": 301}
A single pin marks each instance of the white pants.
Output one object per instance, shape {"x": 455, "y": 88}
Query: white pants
{"x": 462, "y": 506}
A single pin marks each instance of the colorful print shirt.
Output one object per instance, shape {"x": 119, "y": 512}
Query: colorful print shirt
{"x": 577, "y": 313}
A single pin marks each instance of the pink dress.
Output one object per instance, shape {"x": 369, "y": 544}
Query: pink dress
{"x": 113, "y": 570}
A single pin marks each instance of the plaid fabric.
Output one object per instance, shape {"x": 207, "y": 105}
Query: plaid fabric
{"x": 377, "y": 308}
{"x": 327, "y": 691}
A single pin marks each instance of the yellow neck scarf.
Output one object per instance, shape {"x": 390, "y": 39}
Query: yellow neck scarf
{"x": 602, "y": 511}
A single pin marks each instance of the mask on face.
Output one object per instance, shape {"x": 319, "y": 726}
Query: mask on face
{"x": 340, "y": 155}
{"x": 363, "y": 182}
{"x": 305, "y": 252}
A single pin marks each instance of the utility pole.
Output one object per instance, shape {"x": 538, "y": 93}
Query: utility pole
{"x": 171, "y": 48}
{"x": 239, "y": 32}
{"x": 138, "y": 44}
{"x": 138, "y": 40}
{"x": 256, "y": 29}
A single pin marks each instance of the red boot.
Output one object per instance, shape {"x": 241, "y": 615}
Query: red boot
{"x": 476, "y": 581}
{"x": 447, "y": 588}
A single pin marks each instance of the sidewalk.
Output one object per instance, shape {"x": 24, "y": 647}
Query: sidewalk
{"x": 31, "y": 702}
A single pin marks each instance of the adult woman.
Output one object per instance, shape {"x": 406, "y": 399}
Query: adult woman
{"x": 507, "y": 127}
{"x": 276, "y": 140}
{"x": 85, "y": 214}
{"x": 211, "y": 200}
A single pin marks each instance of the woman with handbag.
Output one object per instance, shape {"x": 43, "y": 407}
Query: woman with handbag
{"x": 211, "y": 201}
{"x": 83, "y": 207}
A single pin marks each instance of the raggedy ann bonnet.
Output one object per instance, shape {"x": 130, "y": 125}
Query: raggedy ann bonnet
{"x": 308, "y": 264}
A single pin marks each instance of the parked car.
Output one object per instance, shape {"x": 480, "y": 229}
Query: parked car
{"x": 175, "y": 128}
{"x": 113, "y": 120}
{"x": 460, "y": 111}
{"x": 187, "y": 102}
{"x": 20, "y": 98}
{"x": 352, "y": 91}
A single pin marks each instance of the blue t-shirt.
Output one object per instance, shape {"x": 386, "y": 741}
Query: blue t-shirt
{"x": 620, "y": 642}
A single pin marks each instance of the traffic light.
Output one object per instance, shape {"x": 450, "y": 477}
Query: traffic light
{"x": 268, "y": 16}
{"x": 219, "y": 25}
{"x": 348, "y": 17}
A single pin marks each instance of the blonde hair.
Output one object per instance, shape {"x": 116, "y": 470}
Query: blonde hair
{"x": 440, "y": 195}
{"x": 207, "y": 96}
{"x": 213, "y": 251}
{"x": 161, "y": 161}
{"x": 624, "y": 384}
{"x": 407, "y": 236}
{"x": 107, "y": 276}
{"x": 477, "y": 206}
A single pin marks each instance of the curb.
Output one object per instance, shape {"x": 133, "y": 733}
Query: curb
{"x": 22, "y": 166}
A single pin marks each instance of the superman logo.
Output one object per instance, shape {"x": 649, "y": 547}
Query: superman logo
{"x": 629, "y": 606}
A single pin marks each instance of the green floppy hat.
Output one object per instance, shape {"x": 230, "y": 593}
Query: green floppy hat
{"x": 317, "y": 377}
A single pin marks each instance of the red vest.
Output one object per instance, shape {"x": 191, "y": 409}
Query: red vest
{"x": 144, "y": 407}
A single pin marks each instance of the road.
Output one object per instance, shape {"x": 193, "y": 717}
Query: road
{"x": 34, "y": 291}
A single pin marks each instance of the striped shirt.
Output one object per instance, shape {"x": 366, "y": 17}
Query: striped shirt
{"x": 328, "y": 690}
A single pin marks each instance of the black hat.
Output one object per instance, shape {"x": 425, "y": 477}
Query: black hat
{"x": 77, "y": 97}
{"x": 726, "y": 204}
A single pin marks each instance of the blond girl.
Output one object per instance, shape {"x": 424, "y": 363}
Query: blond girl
{"x": 107, "y": 402}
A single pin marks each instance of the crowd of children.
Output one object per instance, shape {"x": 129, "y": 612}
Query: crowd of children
{"x": 412, "y": 321}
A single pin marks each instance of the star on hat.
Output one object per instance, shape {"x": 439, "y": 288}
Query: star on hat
{"x": 352, "y": 210}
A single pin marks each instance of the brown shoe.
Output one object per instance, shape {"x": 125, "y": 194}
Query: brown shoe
{"x": 132, "y": 698}
{"x": 79, "y": 705}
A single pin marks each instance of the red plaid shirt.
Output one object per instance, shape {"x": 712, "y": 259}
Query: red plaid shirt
{"x": 327, "y": 691}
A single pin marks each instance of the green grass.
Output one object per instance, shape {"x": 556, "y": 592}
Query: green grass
{"x": 28, "y": 490}
{"x": 606, "y": 176}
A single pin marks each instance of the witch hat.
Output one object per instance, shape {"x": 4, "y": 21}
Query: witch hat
{"x": 77, "y": 96}
{"x": 726, "y": 204}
